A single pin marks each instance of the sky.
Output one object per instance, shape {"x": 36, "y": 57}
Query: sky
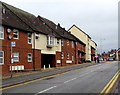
{"x": 98, "y": 18}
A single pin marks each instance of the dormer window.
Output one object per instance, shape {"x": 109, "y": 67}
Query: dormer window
{"x": 50, "y": 41}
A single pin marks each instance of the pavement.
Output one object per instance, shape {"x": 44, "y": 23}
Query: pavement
{"x": 21, "y": 78}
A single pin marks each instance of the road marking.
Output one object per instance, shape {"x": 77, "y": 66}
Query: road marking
{"x": 109, "y": 83}
{"x": 46, "y": 90}
{"x": 109, "y": 88}
{"x": 46, "y": 77}
{"x": 70, "y": 80}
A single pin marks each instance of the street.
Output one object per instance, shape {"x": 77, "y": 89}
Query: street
{"x": 91, "y": 79}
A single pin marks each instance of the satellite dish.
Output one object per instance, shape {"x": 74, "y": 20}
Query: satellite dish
{"x": 8, "y": 30}
{"x": 10, "y": 37}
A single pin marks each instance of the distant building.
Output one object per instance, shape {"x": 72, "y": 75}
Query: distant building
{"x": 91, "y": 46}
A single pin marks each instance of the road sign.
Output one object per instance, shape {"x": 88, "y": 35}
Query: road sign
{"x": 13, "y": 43}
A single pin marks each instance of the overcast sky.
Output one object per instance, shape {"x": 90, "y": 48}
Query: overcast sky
{"x": 98, "y": 18}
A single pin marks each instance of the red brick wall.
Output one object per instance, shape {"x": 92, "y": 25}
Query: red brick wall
{"x": 58, "y": 57}
{"x": 23, "y": 48}
{"x": 68, "y": 49}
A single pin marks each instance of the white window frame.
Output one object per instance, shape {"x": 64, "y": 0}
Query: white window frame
{"x": 16, "y": 57}
{"x": 29, "y": 57}
{"x": 62, "y": 42}
{"x": 68, "y": 56}
{"x": 29, "y": 38}
{"x": 50, "y": 40}
{"x": 68, "y": 42}
{"x": 72, "y": 57}
{"x": 62, "y": 55}
{"x": 58, "y": 41}
{"x": 72, "y": 44}
{"x": 2, "y": 32}
{"x": 2, "y": 58}
{"x": 17, "y": 33}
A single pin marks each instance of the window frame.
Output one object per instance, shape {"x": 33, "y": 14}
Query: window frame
{"x": 2, "y": 58}
{"x": 68, "y": 42}
{"x": 29, "y": 57}
{"x": 16, "y": 57}
{"x": 73, "y": 44}
{"x": 68, "y": 56}
{"x": 62, "y": 55}
{"x": 30, "y": 38}
{"x": 62, "y": 43}
{"x": 17, "y": 31}
{"x": 50, "y": 40}
{"x": 2, "y": 32}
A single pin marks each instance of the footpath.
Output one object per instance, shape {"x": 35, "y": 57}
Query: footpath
{"x": 29, "y": 76}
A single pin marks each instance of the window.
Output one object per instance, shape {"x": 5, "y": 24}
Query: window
{"x": 72, "y": 44}
{"x": 3, "y": 11}
{"x": 68, "y": 56}
{"x": 50, "y": 40}
{"x": 58, "y": 41}
{"x": 1, "y": 57}
{"x": 16, "y": 57}
{"x": 1, "y": 32}
{"x": 72, "y": 58}
{"x": 62, "y": 42}
{"x": 62, "y": 55}
{"x": 29, "y": 57}
{"x": 29, "y": 38}
{"x": 67, "y": 42}
{"x": 15, "y": 34}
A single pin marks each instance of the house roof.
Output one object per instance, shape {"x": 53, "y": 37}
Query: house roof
{"x": 61, "y": 31}
{"x": 11, "y": 20}
{"x": 26, "y": 20}
{"x": 80, "y": 30}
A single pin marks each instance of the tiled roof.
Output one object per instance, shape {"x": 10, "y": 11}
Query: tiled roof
{"x": 21, "y": 19}
{"x": 61, "y": 31}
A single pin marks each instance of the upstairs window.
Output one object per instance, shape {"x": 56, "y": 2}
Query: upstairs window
{"x": 72, "y": 44}
{"x": 29, "y": 38}
{"x": 1, "y": 32}
{"x": 15, "y": 34}
{"x": 1, "y": 57}
{"x": 50, "y": 40}
{"x": 62, "y": 42}
{"x": 57, "y": 41}
{"x": 67, "y": 42}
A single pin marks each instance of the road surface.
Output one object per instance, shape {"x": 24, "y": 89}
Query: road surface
{"x": 91, "y": 79}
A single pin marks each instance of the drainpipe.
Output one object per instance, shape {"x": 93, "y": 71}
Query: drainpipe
{"x": 34, "y": 51}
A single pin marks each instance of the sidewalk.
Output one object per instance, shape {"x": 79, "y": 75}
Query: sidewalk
{"x": 28, "y": 76}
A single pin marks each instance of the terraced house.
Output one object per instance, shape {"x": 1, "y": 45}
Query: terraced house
{"x": 31, "y": 43}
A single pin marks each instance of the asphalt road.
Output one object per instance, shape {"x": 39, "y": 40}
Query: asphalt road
{"x": 86, "y": 80}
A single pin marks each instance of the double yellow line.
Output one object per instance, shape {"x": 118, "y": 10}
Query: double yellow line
{"x": 110, "y": 84}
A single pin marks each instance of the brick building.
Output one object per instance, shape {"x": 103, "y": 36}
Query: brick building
{"x": 36, "y": 42}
